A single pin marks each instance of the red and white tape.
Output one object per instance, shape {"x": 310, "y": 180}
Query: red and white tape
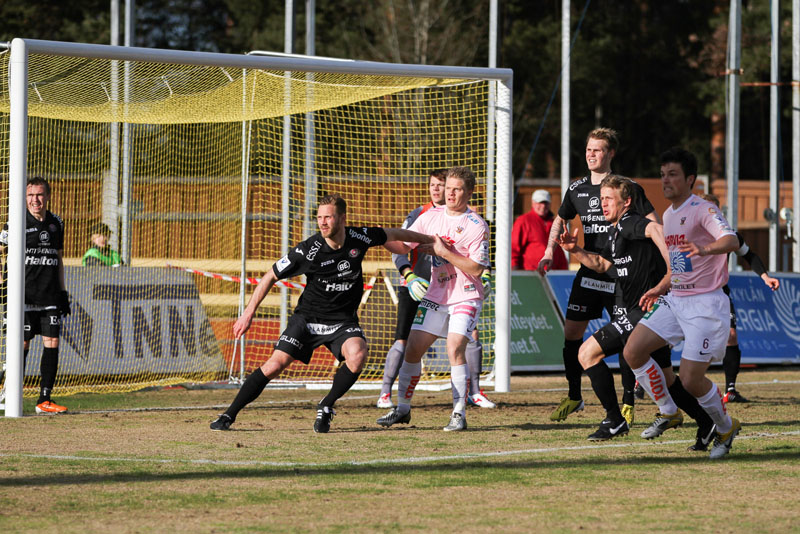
{"x": 248, "y": 280}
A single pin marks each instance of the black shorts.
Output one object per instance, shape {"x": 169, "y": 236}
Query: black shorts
{"x": 42, "y": 322}
{"x": 301, "y": 337}
{"x": 589, "y": 297}
{"x": 406, "y": 311}
{"x": 612, "y": 336}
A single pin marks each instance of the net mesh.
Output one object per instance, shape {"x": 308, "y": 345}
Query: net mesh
{"x": 372, "y": 139}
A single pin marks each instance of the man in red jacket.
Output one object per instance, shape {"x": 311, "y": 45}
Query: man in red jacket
{"x": 530, "y": 234}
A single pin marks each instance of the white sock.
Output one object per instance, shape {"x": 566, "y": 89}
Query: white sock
{"x": 458, "y": 379}
{"x": 407, "y": 381}
{"x": 651, "y": 378}
{"x": 712, "y": 403}
{"x": 474, "y": 355}
{"x": 394, "y": 359}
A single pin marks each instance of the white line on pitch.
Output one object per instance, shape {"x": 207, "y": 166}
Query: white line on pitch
{"x": 381, "y": 461}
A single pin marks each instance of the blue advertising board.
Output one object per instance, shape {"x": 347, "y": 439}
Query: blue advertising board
{"x": 768, "y": 323}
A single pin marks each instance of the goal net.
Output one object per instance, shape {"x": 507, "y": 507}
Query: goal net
{"x": 206, "y": 168}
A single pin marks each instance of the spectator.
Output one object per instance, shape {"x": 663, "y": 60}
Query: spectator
{"x": 100, "y": 253}
{"x": 530, "y": 234}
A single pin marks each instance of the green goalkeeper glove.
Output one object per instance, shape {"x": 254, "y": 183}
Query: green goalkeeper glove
{"x": 486, "y": 281}
{"x": 417, "y": 287}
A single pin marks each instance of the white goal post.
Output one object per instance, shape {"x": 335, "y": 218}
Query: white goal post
{"x": 499, "y": 200}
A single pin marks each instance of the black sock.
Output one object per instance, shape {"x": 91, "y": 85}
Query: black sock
{"x": 572, "y": 367}
{"x": 253, "y": 385}
{"x": 688, "y": 403}
{"x": 343, "y": 380}
{"x": 603, "y": 386}
{"x": 48, "y": 367}
{"x": 731, "y": 363}
{"x": 628, "y": 382}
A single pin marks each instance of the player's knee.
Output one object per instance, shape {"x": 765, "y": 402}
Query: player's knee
{"x": 587, "y": 357}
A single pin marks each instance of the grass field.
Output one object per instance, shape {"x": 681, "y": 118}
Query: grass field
{"x": 147, "y": 462}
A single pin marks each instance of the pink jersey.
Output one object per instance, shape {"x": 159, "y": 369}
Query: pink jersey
{"x": 469, "y": 234}
{"x": 700, "y": 222}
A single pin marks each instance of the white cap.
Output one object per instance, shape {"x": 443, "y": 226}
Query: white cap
{"x": 541, "y": 195}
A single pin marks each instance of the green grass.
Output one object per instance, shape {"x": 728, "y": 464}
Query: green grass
{"x": 512, "y": 471}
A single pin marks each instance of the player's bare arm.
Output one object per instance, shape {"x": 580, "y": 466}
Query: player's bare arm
{"x": 653, "y": 216}
{"x": 447, "y": 252}
{"x": 552, "y": 241}
{"x": 396, "y": 238}
{"x": 655, "y": 232}
{"x": 244, "y": 321}
{"x": 723, "y": 245}
{"x": 595, "y": 262}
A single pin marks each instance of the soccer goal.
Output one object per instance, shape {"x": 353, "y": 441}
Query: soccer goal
{"x": 207, "y": 168}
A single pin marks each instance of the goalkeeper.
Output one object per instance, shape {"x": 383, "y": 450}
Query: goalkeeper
{"x": 46, "y": 298}
{"x": 416, "y": 270}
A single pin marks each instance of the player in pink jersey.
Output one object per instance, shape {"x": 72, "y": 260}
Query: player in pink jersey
{"x": 453, "y": 302}
{"x": 696, "y": 311}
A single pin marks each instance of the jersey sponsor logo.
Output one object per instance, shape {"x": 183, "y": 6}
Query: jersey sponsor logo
{"x": 576, "y": 308}
{"x": 343, "y": 265}
{"x": 444, "y": 278}
{"x": 342, "y": 286}
{"x": 353, "y": 252}
{"x": 41, "y": 260}
{"x": 593, "y": 218}
{"x": 683, "y": 287}
{"x": 55, "y": 320}
{"x": 595, "y": 228}
{"x": 470, "y": 287}
{"x": 282, "y": 263}
{"x": 623, "y": 260}
{"x": 352, "y": 329}
{"x": 326, "y": 262}
{"x": 322, "y": 329}
{"x": 291, "y": 341}
{"x": 597, "y": 285}
{"x": 419, "y": 318}
{"x": 44, "y": 237}
{"x": 594, "y": 202}
{"x": 673, "y": 240}
{"x": 361, "y": 237}
{"x": 582, "y": 195}
{"x": 577, "y": 183}
{"x": 312, "y": 252}
{"x": 298, "y": 250}
{"x": 436, "y": 261}
{"x": 680, "y": 262}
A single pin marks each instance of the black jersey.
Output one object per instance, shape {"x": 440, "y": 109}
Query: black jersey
{"x": 583, "y": 198}
{"x": 43, "y": 240}
{"x": 637, "y": 263}
{"x": 334, "y": 281}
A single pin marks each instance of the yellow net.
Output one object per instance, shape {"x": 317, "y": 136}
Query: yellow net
{"x": 372, "y": 139}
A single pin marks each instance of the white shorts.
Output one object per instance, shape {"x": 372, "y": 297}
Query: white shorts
{"x": 441, "y": 320}
{"x": 702, "y": 321}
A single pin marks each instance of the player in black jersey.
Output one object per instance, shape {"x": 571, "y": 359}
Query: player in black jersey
{"x": 635, "y": 256}
{"x": 591, "y": 291}
{"x": 326, "y": 311}
{"x": 733, "y": 355}
{"x": 46, "y": 299}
